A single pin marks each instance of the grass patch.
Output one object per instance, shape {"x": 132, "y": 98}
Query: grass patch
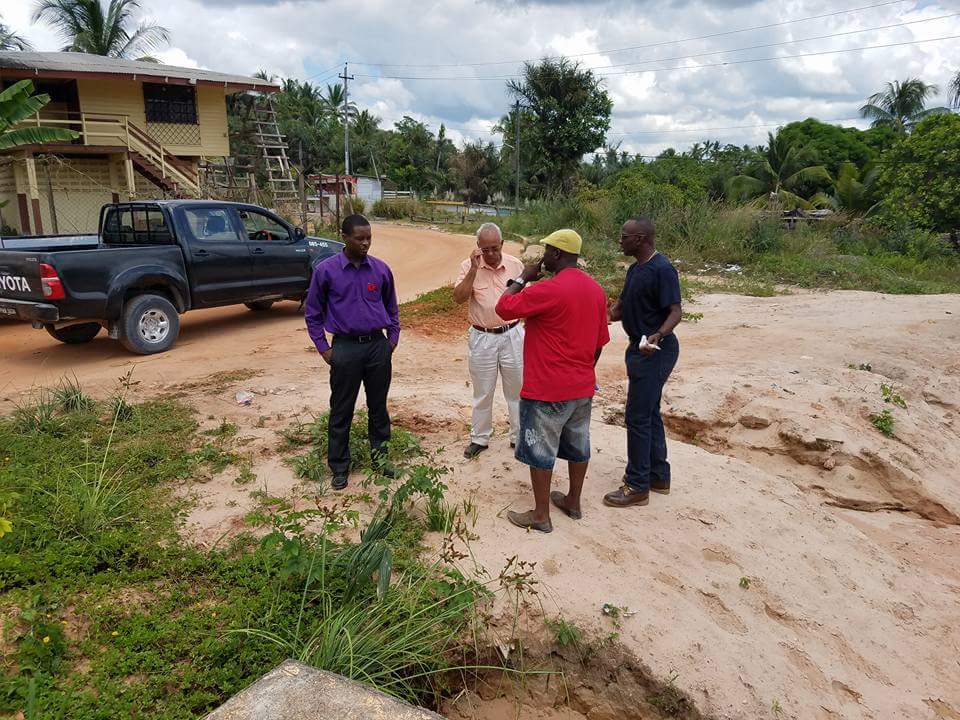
{"x": 839, "y": 253}
{"x": 435, "y": 311}
{"x": 111, "y": 614}
{"x": 312, "y": 466}
{"x": 220, "y": 382}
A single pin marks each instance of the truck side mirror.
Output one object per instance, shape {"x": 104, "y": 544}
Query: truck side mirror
{"x": 298, "y": 233}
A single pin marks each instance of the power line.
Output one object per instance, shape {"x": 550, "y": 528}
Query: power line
{"x": 778, "y": 44}
{"x": 786, "y": 57}
{"x": 728, "y": 127}
{"x": 685, "y": 67}
{"x": 324, "y": 72}
{"x": 645, "y": 46}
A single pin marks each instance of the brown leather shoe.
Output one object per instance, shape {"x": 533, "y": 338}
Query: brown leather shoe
{"x": 658, "y": 486}
{"x": 626, "y": 496}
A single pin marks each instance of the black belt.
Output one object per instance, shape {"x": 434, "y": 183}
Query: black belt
{"x": 375, "y": 335}
{"x": 498, "y": 330}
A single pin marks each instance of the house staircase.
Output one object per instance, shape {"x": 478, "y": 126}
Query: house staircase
{"x": 159, "y": 166}
{"x": 273, "y": 150}
{"x": 154, "y": 161}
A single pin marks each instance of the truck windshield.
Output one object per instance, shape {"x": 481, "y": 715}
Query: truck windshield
{"x": 135, "y": 225}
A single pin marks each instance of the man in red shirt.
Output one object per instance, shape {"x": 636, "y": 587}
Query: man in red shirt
{"x": 566, "y": 329}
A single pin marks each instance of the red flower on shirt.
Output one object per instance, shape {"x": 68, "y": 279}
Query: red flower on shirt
{"x": 371, "y": 287}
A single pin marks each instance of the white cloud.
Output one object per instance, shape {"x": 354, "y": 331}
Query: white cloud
{"x": 308, "y": 38}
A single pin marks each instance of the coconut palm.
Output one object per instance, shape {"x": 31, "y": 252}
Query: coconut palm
{"x": 955, "y": 90}
{"x": 365, "y": 125}
{"x": 852, "y": 190}
{"x": 779, "y": 174}
{"x": 17, "y": 103}
{"x": 89, "y": 27}
{"x": 9, "y": 40}
{"x": 901, "y": 105}
{"x": 334, "y": 99}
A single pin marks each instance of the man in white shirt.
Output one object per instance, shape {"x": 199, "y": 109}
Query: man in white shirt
{"x": 495, "y": 345}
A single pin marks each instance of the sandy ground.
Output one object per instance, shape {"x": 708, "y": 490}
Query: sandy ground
{"x": 849, "y": 541}
{"x": 222, "y": 338}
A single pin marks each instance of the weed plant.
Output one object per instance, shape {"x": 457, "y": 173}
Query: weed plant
{"x": 111, "y": 614}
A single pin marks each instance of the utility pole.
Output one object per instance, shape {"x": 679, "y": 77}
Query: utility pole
{"x": 346, "y": 119}
{"x": 516, "y": 149}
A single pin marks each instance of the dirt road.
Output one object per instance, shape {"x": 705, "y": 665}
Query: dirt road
{"x": 222, "y": 337}
{"x": 804, "y": 565}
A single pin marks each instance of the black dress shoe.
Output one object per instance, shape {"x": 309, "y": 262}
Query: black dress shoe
{"x": 339, "y": 482}
{"x": 473, "y": 449}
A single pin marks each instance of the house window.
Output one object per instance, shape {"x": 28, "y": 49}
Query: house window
{"x": 170, "y": 103}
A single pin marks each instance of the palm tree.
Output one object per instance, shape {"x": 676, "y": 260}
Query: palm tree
{"x": 365, "y": 125}
{"x": 955, "y": 90}
{"x": 9, "y": 40}
{"x": 333, "y": 102}
{"x": 17, "y": 103}
{"x": 901, "y": 105}
{"x": 780, "y": 173}
{"x": 852, "y": 190}
{"x": 89, "y": 27}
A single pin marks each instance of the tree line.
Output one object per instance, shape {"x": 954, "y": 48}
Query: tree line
{"x": 905, "y": 165}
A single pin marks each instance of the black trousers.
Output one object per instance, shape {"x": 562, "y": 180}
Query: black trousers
{"x": 353, "y": 363}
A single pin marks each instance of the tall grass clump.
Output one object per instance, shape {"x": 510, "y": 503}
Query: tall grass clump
{"x": 707, "y": 237}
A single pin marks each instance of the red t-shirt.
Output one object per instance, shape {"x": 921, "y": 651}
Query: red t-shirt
{"x": 566, "y": 324}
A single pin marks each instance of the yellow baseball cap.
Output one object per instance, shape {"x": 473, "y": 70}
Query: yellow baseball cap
{"x": 566, "y": 240}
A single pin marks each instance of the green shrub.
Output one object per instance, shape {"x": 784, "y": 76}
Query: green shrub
{"x": 396, "y": 209}
{"x": 883, "y": 421}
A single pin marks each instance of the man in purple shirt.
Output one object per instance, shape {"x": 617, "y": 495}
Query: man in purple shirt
{"x": 352, "y": 296}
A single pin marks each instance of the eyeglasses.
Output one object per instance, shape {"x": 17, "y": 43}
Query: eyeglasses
{"x": 490, "y": 250}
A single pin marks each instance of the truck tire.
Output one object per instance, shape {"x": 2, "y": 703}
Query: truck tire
{"x": 260, "y": 305}
{"x": 74, "y": 334}
{"x": 149, "y": 324}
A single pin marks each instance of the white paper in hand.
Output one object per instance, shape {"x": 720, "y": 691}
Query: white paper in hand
{"x": 645, "y": 344}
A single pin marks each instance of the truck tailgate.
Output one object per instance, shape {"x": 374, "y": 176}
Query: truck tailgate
{"x": 20, "y": 276}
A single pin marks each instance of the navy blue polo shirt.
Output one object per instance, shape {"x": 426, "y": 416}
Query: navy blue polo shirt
{"x": 648, "y": 293}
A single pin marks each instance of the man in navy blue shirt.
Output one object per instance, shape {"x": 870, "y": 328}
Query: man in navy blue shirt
{"x": 649, "y": 306}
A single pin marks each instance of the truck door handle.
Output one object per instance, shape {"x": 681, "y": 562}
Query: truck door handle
{"x": 200, "y": 253}
{"x": 258, "y": 251}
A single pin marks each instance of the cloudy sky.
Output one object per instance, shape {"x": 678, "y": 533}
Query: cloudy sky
{"x": 671, "y": 84}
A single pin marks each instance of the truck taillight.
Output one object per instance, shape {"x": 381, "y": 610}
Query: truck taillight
{"x": 50, "y": 282}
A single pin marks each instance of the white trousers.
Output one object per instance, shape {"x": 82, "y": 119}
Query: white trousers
{"x": 489, "y": 355}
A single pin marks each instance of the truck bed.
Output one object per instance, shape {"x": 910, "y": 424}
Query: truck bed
{"x": 41, "y": 243}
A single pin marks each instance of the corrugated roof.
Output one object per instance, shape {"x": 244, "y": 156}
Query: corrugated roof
{"x": 50, "y": 63}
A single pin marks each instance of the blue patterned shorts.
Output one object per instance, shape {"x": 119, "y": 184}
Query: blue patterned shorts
{"x": 551, "y": 430}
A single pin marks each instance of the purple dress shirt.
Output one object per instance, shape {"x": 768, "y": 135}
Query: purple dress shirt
{"x": 348, "y": 300}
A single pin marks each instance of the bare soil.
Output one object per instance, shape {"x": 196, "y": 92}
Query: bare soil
{"x": 803, "y": 566}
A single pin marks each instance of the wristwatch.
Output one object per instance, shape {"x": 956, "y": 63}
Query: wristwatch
{"x": 517, "y": 281}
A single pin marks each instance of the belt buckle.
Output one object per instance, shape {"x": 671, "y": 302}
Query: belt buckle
{"x": 364, "y": 338}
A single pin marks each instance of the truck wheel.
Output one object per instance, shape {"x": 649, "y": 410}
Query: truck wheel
{"x": 150, "y": 324}
{"x": 260, "y": 305}
{"x": 74, "y": 334}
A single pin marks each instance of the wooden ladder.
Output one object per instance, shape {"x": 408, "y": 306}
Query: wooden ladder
{"x": 273, "y": 149}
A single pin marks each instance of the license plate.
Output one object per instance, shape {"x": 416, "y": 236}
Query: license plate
{"x": 7, "y": 311}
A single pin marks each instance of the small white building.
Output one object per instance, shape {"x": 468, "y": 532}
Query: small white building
{"x": 369, "y": 189}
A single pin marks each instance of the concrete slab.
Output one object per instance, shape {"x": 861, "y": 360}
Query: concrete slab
{"x": 294, "y": 691}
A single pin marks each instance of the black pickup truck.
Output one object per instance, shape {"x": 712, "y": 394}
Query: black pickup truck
{"x": 153, "y": 261}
